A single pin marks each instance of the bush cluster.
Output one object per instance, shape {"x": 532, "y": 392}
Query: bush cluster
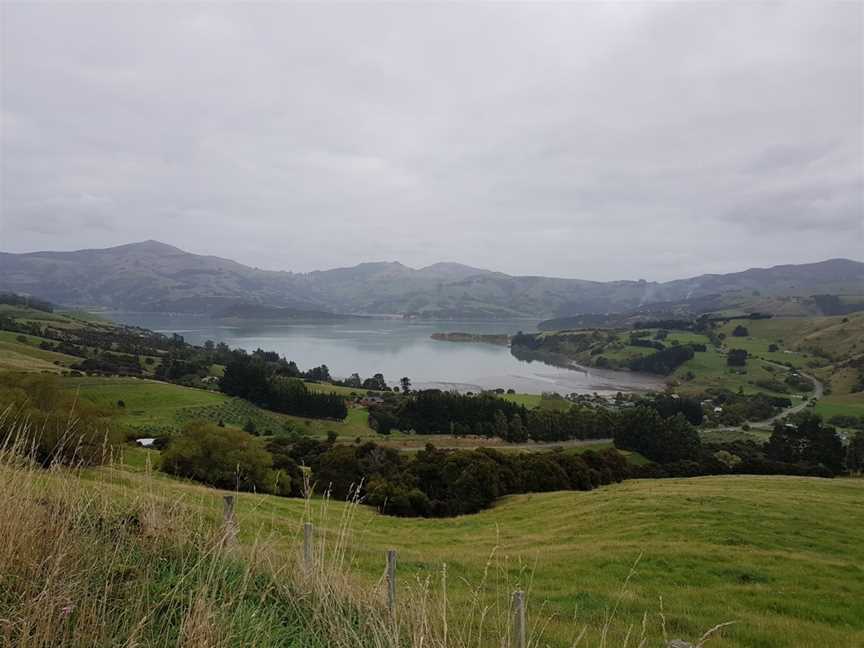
{"x": 663, "y": 362}
{"x": 38, "y": 414}
{"x": 230, "y": 459}
{"x": 440, "y": 483}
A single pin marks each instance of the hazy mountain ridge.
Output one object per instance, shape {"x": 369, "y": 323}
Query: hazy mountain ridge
{"x": 153, "y": 276}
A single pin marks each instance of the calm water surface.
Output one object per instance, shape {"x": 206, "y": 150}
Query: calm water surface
{"x": 399, "y": 348}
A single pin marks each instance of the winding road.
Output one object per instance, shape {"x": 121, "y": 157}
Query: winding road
{"x": 818, "y": 392}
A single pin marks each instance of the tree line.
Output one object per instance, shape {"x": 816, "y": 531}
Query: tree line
{"x": 802, "y": 445}
{"x": 261, "y": 380}
{"x": 438, "y": 483}
{"x": 665, "y": 361}
{"x": 431, "y": 483}
{"x": 485, "y": 415}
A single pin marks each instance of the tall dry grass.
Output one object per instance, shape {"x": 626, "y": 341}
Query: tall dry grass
{"x": 81, "y": 565}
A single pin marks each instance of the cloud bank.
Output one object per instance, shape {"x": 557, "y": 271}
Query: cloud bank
{"x": 594, "y": 141}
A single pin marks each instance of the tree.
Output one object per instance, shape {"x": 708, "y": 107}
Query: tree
{"x": 382, "y": 420}
{"x": 689, "y": 407}
{"x": 644, "y": 430}
{"x": 339, "y": 471}
{"x": 740, "y": 331}
{"x": 354, "y": 381}
{"x": 252, "y": 378}
{"x": 376, "y": 382}
{"x": 736, "y": 358}
{"x": 517, "y": 433}
{"x": 220, "y": 457}
{"x": 280, "y": 449}
{"x": 806, "y": 441}
{"x": 250, "y": 428}
{"x": 502, "y": 428}
{"x": 406, "y": 384}
{"x": 320, "y": 374}
{"x": 245, "y": 377}
{"x": 663, "y": 362}
{"x": 855, "y": 453}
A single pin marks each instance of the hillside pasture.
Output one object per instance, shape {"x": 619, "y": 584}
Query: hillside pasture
{"x": 835, "y": 405}
{"x": 780, "y": 556}
{"x": 830, "y": 334}
{"x": 16, "y": 355}
{"x": 710, "y": 370}
{"x": 159, "y": 408}
{"x": 148, "y": 403}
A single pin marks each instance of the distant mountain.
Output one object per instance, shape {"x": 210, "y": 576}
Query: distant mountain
{"x": 833, "y": 276}
{"x": 731, "y": 304}
{"x": 156, "y": 277}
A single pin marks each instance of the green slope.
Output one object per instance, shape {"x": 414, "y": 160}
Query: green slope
{"x": 783, "y": 557}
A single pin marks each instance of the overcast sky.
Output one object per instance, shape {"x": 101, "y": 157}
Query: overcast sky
{"x": 594, "y": 141}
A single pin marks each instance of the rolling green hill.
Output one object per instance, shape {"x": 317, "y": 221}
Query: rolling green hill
{"x": 831, "y": 348}
{"x": 779, "y": 556}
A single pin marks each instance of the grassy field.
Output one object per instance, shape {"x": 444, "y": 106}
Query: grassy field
{"x": 758, "y": 435}
{"x": 830, "y": 334}
{"x": 545, "y": 402}
{"x": 156, "y": 407}
{"x": 846, "y": 404}
{"x": 527, "y": 400}
{"x": 780, "y": 556}
{"x": 785, "y": 333}
{"x": 842, "y": 380}
{"x": 709, "y": 370}
{"x": 147, "y": 403}
{"x": 27, "y": 356}
{"x": 57, "y": 319}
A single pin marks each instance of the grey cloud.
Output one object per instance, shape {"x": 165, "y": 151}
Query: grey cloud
{"x": 814, "y": 209}
{"x": 587, "y": 140}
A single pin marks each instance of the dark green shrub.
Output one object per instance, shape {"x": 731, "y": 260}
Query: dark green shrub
{"x": 220, "y": 457}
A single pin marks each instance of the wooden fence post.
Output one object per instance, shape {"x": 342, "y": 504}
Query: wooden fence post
{"x": 391, "y": 581}
{"x": 307, "y": 545}
{"x": 230, "y": 520}
{"x": 518, "y": 640}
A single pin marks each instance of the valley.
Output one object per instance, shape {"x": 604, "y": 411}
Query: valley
{"x": 667, "y": 544}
